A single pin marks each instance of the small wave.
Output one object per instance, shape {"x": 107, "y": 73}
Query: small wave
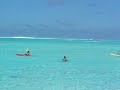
{"x": 68, "y": 39}
{"x": 86, "y": 39}
{"x": 44, "y": 38}
{"x": 28, "y": 38}
{"x": 92, "y": 41}
{"x": 22, "y": 37}
{"x": 16, "y": 37}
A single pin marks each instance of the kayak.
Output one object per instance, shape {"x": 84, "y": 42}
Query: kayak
{"x": 114, "y": 54}
{"x": 23, "y": 55}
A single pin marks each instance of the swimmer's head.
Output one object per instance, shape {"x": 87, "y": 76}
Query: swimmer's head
{"x": 64, "y": 56}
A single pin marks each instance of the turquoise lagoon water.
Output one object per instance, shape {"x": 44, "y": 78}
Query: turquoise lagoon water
{"x": 90, "y": 67}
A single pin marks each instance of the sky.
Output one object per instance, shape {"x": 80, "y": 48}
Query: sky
{"x": 60, "y": 18}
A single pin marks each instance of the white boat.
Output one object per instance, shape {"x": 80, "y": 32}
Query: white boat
{"x": 113, "y": 54}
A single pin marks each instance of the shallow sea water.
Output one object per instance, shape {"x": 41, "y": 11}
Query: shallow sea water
{"x": 90, "y": 67}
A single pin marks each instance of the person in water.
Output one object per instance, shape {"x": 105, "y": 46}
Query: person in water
{"x": 27, "y": 52}
{"x": 65, "y": 58}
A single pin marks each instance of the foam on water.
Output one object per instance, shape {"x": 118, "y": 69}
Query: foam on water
{"x": 47, "y": 38}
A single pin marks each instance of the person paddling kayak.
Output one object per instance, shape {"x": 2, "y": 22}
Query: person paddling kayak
{"x": 27, "y": 52}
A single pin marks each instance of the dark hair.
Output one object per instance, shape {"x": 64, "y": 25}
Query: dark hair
{"x": 64, "y": 56}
